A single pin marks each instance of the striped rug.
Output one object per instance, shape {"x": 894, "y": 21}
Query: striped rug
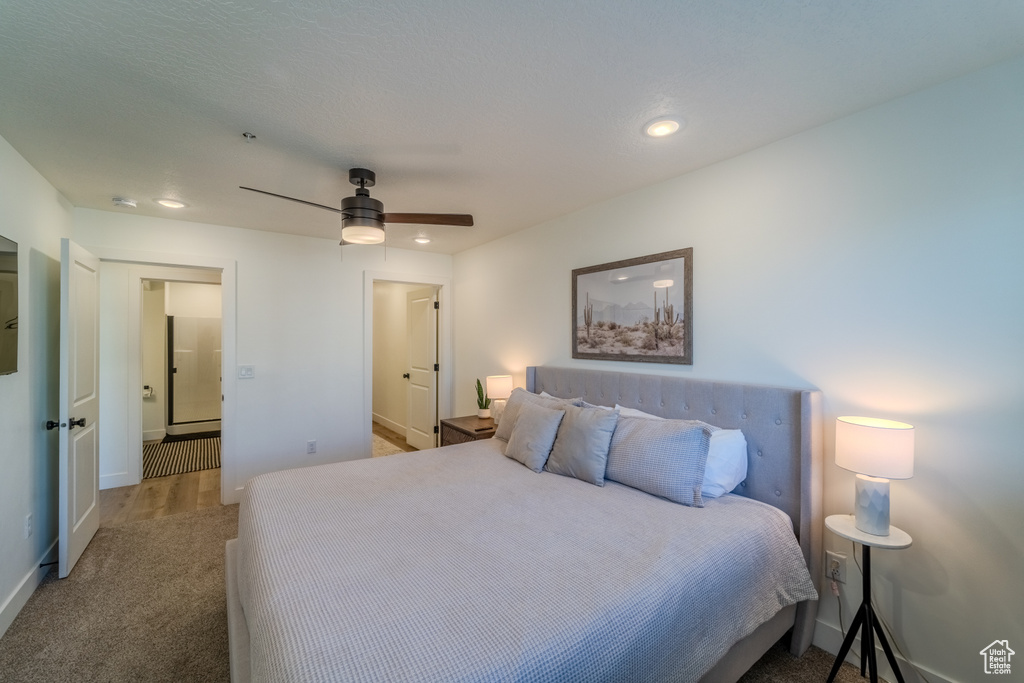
{"x": 162, "y": 459}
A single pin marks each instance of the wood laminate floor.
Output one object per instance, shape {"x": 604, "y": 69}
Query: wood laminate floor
{"x": 160, "y": 497}
{"x": 392, "y": 437}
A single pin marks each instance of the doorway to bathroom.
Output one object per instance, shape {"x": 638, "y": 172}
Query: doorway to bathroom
{"x": 181, "y": 374}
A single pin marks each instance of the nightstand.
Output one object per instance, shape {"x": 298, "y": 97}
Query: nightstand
{"x": 866, "y": 621}
{"x": 466, "y": 429}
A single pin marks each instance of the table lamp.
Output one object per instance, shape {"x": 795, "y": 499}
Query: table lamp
{"x": 877, "y": 450}
{"x": 499, "y": 388}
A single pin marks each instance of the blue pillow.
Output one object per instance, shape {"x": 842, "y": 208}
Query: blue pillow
{"x": 581, "y": 447}
{"x": 665, "y": 458}
{"x": 533, "y": 435}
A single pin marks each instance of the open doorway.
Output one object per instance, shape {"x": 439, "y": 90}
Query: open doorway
{"x": 181, "y": 375}
{"x": 405, "y": 386}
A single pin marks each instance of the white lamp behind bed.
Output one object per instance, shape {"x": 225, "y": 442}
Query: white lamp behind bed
{"x": 877, "y": 450}
{"x": 499, "y": 388}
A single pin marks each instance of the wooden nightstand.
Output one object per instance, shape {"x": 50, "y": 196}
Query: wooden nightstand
{"x": 466, "y": 429}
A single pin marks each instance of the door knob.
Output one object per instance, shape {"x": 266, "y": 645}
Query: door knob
{"x": 72, "y": 423}
{"x": 50, "y": 424}
{"x": 405, "y": 375}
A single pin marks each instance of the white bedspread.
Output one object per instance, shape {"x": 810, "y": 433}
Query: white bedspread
{"x": 459, "y": 564}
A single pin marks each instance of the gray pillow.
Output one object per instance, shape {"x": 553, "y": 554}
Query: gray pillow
{"x": 581, "y": 447}
{"x": 665, "y": 458}
{"x": 516, "y": 401}
{"x": 534, "y": 435}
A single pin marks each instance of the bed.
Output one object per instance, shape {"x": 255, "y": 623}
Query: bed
{"x": 462, "y": 564}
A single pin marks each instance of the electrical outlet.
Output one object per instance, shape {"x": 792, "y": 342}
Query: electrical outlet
{"x": 28, "y": 525}
{"x": 311, "y": 446}
{"x": 835, "y": 566}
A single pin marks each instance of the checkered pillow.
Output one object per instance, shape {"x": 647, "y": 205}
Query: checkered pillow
{"x": 665, "y": 458}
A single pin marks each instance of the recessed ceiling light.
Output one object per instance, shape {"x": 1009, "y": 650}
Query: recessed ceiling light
{"x": 423, "y": 240}
{"x": 171, "y": 203}
{"x": 125, "y": 203}
{"x": 661, "y": 127}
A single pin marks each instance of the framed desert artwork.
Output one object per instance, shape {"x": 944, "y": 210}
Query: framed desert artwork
{"x": 640, "y": 309}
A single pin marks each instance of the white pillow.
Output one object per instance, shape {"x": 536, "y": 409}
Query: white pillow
{"x": 726, "y": 466}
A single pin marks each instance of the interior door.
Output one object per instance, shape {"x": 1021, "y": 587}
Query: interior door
{"x": 79, "y": 510}
{"x": 421, "y": 319}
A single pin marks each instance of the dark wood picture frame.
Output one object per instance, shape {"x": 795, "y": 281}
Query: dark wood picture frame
{"x": 612, "y": 313}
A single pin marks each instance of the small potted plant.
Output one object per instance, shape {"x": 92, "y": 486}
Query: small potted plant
{"x": 483, "y": 404}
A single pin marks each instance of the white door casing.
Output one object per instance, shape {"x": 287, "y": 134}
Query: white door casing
{"x": 421, "y": 319}
{"x": 79, "y": 510}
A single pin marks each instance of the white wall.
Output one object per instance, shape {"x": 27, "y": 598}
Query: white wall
{"x": 154, "y": 361}
{"x": 36, "y": 216}
{"x": 391, "y": 354}
{"x": 299, "y": 322}
{"x": 877, "y": 258}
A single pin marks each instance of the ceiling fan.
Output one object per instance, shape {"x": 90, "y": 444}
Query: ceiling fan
{"x": 363, "y": 218}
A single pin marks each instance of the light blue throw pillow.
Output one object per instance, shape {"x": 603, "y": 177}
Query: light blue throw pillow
{"x": 665, "y": 458}
{"x": 516, "y": 401}
{"x": 533, "y": 435}
{"x": 581, "y": 448}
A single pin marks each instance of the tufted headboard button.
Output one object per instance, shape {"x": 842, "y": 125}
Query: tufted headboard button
{"x": 759, "y": 454}
{"x": 714, "y": 412}
{"x": 778, "y": 422}
{"x": 744, "y": 416}
{"x": 778, "y": 493}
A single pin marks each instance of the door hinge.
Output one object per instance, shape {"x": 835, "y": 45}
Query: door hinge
{"x": 436, "y": 367}
{"x": 437, "y": 305}
{"x": 436, "y": 430}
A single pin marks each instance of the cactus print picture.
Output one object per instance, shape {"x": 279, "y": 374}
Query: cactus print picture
{"x": 639, "y": 309}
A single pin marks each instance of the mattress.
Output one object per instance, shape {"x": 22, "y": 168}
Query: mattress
{"x": 458, "y": 564}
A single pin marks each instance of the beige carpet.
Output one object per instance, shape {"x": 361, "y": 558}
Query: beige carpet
{"x": 146, "y": 603}
{"x": 382, "y": 447}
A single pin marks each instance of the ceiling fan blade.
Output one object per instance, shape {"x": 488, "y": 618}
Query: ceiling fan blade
{"x": 292, "y": 199}
{"x": 461, "y": 219}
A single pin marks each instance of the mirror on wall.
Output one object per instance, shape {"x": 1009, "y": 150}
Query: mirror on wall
{"x": 8, "y": 306}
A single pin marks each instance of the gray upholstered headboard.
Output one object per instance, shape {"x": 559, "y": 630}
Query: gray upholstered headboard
{"x": 783, "y": 428}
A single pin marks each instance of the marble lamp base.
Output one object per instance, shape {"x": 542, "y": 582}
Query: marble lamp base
{"x": 497, "y": 408}
{"x": 871, "y": 507}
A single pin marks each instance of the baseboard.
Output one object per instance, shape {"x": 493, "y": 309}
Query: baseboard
{"x": 390, "y": 424}
{"x": 194, "y": 427}
{"x": 17, "y": 599}
{"x": 113, "y": 481}
{"x": 154, "y": 435}
{"x": 830, "y": 639}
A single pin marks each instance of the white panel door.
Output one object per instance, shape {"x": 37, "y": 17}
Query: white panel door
{"x": 421, "y": 318}
{"x": 79, "y": 513}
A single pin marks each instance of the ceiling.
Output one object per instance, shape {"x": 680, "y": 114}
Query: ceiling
{"x": 516, "y": 112}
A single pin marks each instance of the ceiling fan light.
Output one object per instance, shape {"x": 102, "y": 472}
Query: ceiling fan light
{"x": 362, "y": 234}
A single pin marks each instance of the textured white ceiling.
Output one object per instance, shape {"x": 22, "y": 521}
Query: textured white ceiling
{"x": 516, "y": 112}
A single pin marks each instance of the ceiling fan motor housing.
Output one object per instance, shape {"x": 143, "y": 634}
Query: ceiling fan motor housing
{"x": 363, "y": 211}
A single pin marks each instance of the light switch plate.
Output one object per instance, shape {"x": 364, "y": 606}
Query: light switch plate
{"x": 246, "y": 371}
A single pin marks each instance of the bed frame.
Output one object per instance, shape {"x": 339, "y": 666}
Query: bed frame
{"x": 783, "y": 429}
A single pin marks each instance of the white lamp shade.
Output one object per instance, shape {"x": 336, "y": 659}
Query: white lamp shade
{"x": 499, "y": 386}
{"x": 875, "y": 447}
